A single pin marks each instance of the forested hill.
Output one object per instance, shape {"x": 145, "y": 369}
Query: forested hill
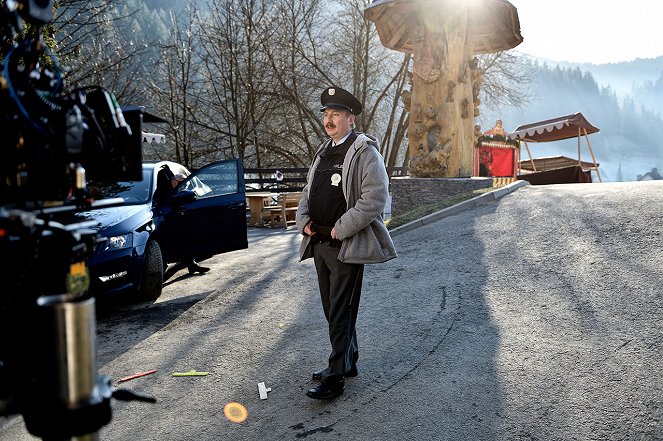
{"x": 630, "y": 121}
{"x": 623, "y": 77}
{"x": 170, "y": 5}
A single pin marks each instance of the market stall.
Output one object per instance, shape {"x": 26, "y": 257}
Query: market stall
{"x": 556, "y": 129}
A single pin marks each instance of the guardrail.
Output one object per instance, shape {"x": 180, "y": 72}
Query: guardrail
{"x": 279, "y": 180}
{"x": 275, "y": 180}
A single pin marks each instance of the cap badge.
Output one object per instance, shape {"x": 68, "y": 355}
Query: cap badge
{"x": 332, "y": 91}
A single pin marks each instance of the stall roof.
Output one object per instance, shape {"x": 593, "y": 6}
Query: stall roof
{"x": 553, "y": 163}
{"x": 555, "y": 129}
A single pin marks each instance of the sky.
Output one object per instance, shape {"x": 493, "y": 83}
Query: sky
{"x": 591, "y": 31}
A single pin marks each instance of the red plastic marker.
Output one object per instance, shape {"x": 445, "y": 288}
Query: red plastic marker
{"x": 136, "y": 375}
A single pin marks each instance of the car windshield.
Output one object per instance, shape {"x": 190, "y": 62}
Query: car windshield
{"x": 133, "y": 192}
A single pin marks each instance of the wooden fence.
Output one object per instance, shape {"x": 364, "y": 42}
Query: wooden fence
{"x": 279, "y": 180}
{"x": 275, "y": 180}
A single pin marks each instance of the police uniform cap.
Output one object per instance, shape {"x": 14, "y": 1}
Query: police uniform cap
{"x": 337, "y": 98}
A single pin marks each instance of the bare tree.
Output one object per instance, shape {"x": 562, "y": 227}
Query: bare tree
{"x": 377, "y": 76}
{"x": 506, "y": 77}
{"x": 90, "y": 42}
{"x": 243, "y": 79}
{"x": 297, "y": 60}
{"x": 233, "y": 110}
{"x": 175, "y": 87}
{"x": 315, "y": 45}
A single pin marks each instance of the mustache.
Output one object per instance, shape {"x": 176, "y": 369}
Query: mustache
{"x": 330, "y": 126}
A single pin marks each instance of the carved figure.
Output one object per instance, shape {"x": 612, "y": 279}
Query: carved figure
{"x": 498, "y": 130}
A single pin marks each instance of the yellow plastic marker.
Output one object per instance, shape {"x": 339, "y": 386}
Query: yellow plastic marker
{"x": 191, "y": 373}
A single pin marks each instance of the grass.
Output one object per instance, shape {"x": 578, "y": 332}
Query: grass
{"x": 424, "y": 210}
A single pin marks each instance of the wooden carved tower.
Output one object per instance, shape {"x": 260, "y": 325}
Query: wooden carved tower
{"x": 444, "y": 36}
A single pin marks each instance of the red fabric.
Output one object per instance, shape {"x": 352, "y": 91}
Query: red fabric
{"x": 496, "y": 162}
{"x": 502, "y": 162}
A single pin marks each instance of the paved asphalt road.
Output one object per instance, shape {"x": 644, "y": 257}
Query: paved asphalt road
{"x": 534, "y": 317}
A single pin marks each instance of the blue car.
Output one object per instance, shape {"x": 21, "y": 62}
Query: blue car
{"x": 159, "y": 223}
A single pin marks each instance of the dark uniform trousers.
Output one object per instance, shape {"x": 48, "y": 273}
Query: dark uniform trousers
{"x": 340, "y": 291}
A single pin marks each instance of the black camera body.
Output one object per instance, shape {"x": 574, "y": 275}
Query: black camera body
{"x": 52, "y": 140}
{"x": 49, "y": 134}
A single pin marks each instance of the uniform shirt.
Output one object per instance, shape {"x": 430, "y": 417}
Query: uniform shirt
{"x": 326, "y": 199}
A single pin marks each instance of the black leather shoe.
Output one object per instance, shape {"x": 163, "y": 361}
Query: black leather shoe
{"x": 353, "y": 372}
{"x": 195, "y": 268}
{"x": 327, "y": 390}
{"x": 317, "y": 375}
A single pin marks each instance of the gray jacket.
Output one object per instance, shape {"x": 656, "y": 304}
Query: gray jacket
{"x": 366, "y": 188}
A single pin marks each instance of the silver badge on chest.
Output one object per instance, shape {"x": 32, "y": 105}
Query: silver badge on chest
{"x": 335, "y": 179}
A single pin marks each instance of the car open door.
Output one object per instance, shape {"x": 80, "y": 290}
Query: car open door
{"x": 208, "y": 213}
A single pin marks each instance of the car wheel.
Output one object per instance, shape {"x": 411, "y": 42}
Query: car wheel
{"x": 152, "y": 282}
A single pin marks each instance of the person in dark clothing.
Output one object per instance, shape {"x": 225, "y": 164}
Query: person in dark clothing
{"x": 340, "y": 218}
{"x": 167, "y": 181}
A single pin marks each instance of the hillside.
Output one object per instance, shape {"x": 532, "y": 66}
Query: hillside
{"x": 630, "y": 120}
{"x": 623, "y": 77}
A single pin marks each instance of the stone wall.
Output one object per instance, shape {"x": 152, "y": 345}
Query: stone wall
{"x": 408, "y": 193}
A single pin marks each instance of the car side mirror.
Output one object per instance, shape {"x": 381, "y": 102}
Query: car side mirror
{"x": 182, "y": 197}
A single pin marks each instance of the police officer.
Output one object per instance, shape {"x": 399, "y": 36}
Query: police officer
{"x": 340, "y": 218}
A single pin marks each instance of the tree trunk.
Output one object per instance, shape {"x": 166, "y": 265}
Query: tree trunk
{"x": 442, "y": 118}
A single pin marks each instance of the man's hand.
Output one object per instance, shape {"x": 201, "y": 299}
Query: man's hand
{"x": 308, "y": 231}
{"x": 333, "y": 233}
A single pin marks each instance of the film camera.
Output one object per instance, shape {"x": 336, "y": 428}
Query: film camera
{"x": 52, "y": 139}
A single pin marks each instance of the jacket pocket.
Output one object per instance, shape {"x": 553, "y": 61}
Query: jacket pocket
{"x": 366, "y": 246}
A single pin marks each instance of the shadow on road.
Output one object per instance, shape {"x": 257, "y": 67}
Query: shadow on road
{"x": 427, "y": 344}
{"x": 122, "y": 326}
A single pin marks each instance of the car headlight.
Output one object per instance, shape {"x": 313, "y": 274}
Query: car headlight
{"x": 119, "y": 242}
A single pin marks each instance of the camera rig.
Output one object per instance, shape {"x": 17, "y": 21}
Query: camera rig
{"x": 52, "y": 139}
{"x": 48, "y": 132}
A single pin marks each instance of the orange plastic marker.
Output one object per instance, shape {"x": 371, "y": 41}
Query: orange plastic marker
{"x": 136, "y": 375}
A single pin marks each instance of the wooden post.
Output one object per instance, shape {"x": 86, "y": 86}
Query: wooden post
{"x": 579, "y": 161}
{"x": 530, "y": 156}
{"x": 591, "y": 152}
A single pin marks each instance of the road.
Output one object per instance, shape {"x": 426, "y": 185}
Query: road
{"x": 534, "y": 317}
